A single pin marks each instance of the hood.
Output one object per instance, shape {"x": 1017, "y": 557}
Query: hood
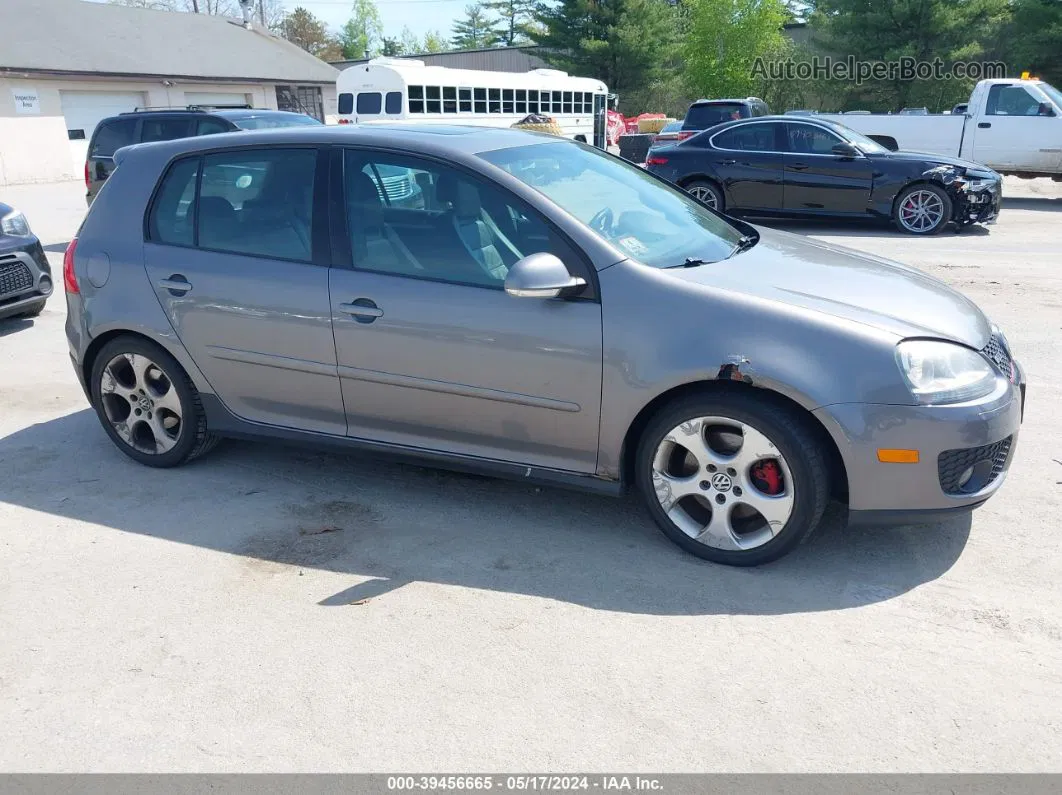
{"x": 847, "y": 284}
{"x": 929, "y": 157}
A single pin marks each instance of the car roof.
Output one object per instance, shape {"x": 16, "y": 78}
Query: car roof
{"x": 245, "y": 113}
{"x": 438, "y": 139}
{"x": 742, "y": 100}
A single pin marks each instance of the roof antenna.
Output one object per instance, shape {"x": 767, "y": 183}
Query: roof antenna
{"x": 247, "y": 7}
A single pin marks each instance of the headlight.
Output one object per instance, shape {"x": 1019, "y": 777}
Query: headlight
{"x": 943, "y": 372}
{"x": 15, "y": 224}
{"x": 979, "y": 180}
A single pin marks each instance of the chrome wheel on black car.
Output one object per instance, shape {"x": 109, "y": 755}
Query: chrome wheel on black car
{"x": 922, "y": 209}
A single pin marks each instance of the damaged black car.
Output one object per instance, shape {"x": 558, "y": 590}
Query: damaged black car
{"x": 781, "y": 166}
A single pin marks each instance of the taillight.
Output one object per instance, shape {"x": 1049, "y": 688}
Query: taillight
{"x": 344, "y": 121}
{"x": 69, "y": 279}
{"x": 87, "y": 181}
{"x": 656, "y": 160}
{"x": 684, "y": 134}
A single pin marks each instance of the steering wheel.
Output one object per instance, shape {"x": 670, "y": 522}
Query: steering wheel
{"x": 602, "y": 221}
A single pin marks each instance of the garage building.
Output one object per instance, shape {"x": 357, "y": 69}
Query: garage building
{"x": 69, "y": 63}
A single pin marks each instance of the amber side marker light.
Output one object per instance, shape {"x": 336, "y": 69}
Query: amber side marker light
{"x": 897, "y": 456}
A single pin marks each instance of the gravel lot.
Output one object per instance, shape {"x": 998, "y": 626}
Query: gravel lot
{"x": 196, "y": 620}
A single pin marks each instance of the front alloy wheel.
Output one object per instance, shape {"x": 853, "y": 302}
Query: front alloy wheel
{"x": 733, "y": 477}
{"x": 923, "y": 210}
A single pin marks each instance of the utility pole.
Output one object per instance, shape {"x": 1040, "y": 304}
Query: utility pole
{"x": 261, "y": 12}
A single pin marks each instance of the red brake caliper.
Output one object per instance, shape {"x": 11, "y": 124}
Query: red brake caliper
{"x": 767, "y": 477}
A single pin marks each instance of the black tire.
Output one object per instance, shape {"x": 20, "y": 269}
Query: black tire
{"x": 34, "y": 309}
{"x": 945, "y": 201}
{"x": 193, "y": 438}
{"x": 791, "y": 434}
{"x": 714, "y": 195}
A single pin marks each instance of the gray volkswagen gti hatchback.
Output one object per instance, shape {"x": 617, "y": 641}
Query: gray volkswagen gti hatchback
{"x": 541, "y": 310}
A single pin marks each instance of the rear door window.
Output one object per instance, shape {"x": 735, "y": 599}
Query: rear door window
{"x": 747, "y": 138}
{"x": 111, "y": 136}
{"x": 701, "y": 117}
{"x": 346, "y": 103}
{"x": 165, "y": 129}
{"x": 369, "y": 103}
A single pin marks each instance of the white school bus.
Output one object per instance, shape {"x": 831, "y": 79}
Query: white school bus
{"x": 397, "y": 89}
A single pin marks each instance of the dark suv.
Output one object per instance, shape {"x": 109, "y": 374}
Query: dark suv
{"x": 148, "y": 124}
{"x": 705, "y": 113}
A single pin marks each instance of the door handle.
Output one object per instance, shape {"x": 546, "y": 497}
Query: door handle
{"x": 363, "y": 310}
{"x": 798, "y": 166}
{"x": 727, "y": 162}
{"x": 176, "y": 284}
{"x": 984, "y": 125}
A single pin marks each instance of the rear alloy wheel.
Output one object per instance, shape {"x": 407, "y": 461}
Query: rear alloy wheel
{"x": 147, "y": 404}
{"x": 732, "y": 478}
{"x": 922, "y": 210}
{"x": 707, "y": 193}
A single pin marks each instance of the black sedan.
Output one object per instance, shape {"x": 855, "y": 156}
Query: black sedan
{"x": 783, "y": 166}
{"x": 25, "y": 277}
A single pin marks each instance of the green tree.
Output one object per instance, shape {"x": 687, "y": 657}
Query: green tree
{"x": 627, "y": 44}
{"x": 1034, "y": 39}
{"x": 302, "y": 28}
{"x": 434, "y": 41}
{"x": 515, "y": 19}
{"x": 362, "y": 34}
{"x": 951, "y": 30}
{"x": 476, "y": 30}
{"x": 723, "y": 40}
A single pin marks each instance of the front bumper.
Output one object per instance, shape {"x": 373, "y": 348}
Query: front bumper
{"x": 25, "y": 277}
{"x": 951, "y": 440}
{"x": 977, "y": 206}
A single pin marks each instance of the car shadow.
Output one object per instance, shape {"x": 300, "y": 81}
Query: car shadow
{"x": 1044, "y": 203}
{"x": 282, "y": 509}
{"x": 861, "y": 228}
{"x": 13, "y": 325}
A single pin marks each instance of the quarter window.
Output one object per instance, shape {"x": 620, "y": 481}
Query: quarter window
{"x": 112, "y": 136}
{"x": 211, "y": 126}
{"x": 369, "y": 103}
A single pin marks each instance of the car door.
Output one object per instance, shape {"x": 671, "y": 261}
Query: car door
{"x": 237, "y": 253}
{"x": 1016, "y": 132}
{"x": 747, "y": 160}
{"x": 432, "y": 352}
{"x": 819, "y": 181}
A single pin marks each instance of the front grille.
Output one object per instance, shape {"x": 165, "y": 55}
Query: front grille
{"x": 987, "y": 462}
{"x": 997, "y": 352}
{"x": 15, "y": 277}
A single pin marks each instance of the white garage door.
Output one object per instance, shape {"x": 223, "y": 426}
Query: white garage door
{"x": 215, "y": 98}
{"x": 84, "y": 109}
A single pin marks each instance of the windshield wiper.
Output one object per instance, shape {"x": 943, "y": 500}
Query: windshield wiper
{"x": 691, "y": 262}
{"x": 744, "y": 243}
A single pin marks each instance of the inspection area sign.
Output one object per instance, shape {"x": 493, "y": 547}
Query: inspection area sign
{"x": 27, "y": 101}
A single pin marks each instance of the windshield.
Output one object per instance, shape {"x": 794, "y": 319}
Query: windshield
{"x": 651, "y": 221}
{"x": 865, "y": 145}
{"x": 273, "y": 121}
{"x": 700, "y": 117}
{"x": 1053, "y": 93}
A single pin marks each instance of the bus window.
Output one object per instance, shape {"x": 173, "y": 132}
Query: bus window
{"x": 521, "y": 100}
{"x": 433, "y": 103}
{"x": 393, "y": 103}
{"x": 369, "y": 103}
{"x": 416, "y": 99}
{"x": 449, "y": 100}
{"x": 507, "y": 100}
{"x": 557, "y": 102}
{"x": 567, "y": 102}
{"x": 464, "y": 97}
{"x": 532, "y": 102}
{"x": 588, "y": 102}
{"x": 495, "y": 100}
{"x": 481, "y": 100}
{"x": 346, "y": 103}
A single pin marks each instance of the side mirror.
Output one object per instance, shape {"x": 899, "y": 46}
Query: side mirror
{"x": 1046, "y": 109}
{"x": 845, "y": 149}
{"x": 540, "y": 276}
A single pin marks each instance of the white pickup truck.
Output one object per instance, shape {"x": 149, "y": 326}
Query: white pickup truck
{"x": 1012, "y": 126}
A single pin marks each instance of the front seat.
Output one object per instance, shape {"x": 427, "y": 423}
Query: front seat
{"x": 375, "y": 245}
{"x": 478, "y": 233}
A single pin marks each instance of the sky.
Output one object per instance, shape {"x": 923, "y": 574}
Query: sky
{"x": 420, "y": 15}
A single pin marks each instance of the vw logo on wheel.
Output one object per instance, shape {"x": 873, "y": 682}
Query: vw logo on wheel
{"x": 721, "y": 481}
